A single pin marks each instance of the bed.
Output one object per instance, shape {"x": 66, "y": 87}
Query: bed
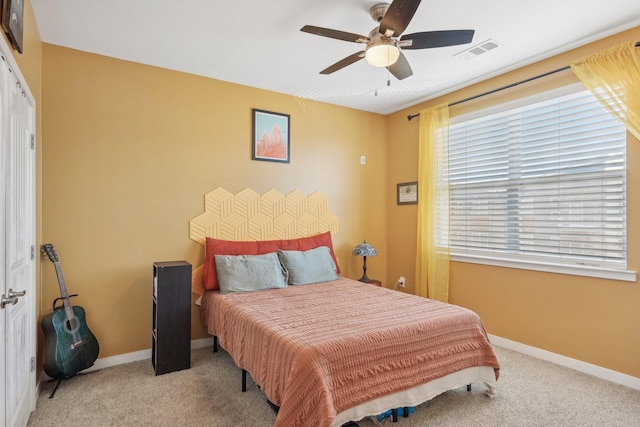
{"x": 326, "y": 349}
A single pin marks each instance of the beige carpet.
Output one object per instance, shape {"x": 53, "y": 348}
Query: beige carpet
{"x": 531, "y": 392}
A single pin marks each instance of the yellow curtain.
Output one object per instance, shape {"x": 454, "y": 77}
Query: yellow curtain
{"x": 432, "y": 262}
{"x": 613, "y": 77}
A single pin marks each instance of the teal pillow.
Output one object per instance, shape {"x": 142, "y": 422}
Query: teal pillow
{"x": 312, "y": 266}
{"x": 245, "y": 273}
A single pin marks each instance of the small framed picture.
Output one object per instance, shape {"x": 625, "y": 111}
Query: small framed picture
{"x": 271, "y": 136}
{"x": 408, "y": 193}
{"x": 12, "y": 21}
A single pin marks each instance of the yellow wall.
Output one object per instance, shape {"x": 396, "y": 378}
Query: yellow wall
{"x": 593, "y": 320}
{"x": 130, "y": 150}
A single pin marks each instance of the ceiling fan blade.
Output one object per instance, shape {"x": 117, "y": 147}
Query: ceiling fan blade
{"x": 398, "y": 16}
{"x": 334, "y": 34}
{"x": 430, "y": 39}
{"x": 343, "y": 63}
{"x": 401, "y": 68}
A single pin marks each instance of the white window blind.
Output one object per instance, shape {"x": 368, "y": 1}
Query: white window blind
{"x": 545, "y": 183}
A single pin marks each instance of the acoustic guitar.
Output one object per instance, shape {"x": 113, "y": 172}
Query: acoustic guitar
{"x": 70, "y": 346}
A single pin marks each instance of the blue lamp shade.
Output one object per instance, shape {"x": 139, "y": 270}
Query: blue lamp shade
{"x": 364, "y": 250}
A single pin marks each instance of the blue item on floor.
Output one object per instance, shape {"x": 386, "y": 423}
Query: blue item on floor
{"x": 389, "y": 413}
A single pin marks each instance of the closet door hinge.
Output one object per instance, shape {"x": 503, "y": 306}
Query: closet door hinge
{"x": 33, "y": 252}
{"x": 33, "y": 141}
{"x": 33, "y": 363}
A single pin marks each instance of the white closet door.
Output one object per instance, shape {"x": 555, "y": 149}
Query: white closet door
{"x": 17, "y": 256}
{"x": 3, "y": 377}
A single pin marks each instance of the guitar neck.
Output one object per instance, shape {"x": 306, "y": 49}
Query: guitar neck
{"x": 63, "y": 290}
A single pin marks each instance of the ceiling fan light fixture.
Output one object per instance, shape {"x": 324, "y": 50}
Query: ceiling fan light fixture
{"x": 382, "y": 53}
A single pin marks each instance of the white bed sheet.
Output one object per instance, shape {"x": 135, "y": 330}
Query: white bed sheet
{"x": 421, "y": 393}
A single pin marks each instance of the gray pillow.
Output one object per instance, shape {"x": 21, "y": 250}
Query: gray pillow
{"x": 312, "y": 266}
{"x": 244, "y": 273}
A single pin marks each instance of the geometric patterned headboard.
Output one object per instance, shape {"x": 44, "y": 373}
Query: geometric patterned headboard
{"x": 248, "y": 215}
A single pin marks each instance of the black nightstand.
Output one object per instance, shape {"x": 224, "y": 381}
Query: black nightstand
{"x": 171, "y": 335}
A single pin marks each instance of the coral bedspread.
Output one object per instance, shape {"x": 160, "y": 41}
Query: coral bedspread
{"x": 319, "y": 349}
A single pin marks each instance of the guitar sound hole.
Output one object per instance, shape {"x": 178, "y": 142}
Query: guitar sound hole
{"x": 72, "y": 325}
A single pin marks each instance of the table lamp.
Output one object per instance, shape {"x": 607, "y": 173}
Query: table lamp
{"x": 364, "y": 250}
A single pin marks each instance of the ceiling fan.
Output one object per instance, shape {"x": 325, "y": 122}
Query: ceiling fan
{"x": 384, "y": 43}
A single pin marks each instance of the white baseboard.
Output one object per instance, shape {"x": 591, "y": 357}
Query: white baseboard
{"x": 578, "y": 365}
{"x": 140, "y": 355}
{"x": 135, "y": 356}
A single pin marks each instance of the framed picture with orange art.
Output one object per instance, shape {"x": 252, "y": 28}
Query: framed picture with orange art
{"x": 271, "y": 137}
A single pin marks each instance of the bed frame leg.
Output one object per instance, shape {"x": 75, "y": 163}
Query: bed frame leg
{"x": 468, "y": 387}
{"x": 394, "y": 413}
{"x": 215, "y": 344}
{"x": 244, "y": 380}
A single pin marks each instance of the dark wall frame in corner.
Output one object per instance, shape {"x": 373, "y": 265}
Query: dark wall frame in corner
{"x": 13, "y": 22}
{"x": 407, "y": 193}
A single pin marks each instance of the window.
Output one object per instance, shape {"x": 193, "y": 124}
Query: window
{"x": 543, "y": 184}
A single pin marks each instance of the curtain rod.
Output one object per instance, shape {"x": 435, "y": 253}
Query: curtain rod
{"x": 539, "y": 76}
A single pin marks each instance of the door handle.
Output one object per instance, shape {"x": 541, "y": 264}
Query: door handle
{"x": 12, "y": 294}
{"x": 11, "y": 298}
{"x": 4, "y": 301}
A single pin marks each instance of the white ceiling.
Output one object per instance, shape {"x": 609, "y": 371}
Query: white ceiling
{"x": 259, "y": 43}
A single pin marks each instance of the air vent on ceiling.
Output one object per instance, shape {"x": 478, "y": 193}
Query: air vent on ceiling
{"x": 477, "y": 50}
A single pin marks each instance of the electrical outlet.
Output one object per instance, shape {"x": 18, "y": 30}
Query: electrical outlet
{"x": 401, "y": 281}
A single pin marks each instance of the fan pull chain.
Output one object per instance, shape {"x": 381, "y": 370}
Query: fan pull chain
{"x": 388, "y": 81}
